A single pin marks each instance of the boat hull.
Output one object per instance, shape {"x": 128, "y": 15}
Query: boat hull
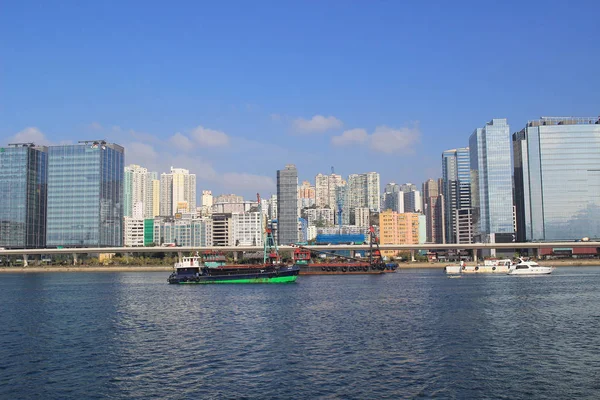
{"x": 540, "y": 271}
{"x": 216, "y": 276}
{"x": 344, "y": 269}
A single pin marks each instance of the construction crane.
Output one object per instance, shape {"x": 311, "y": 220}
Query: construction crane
{"x": 269, "y": 243}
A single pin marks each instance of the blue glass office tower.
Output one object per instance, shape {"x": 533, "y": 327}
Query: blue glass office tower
{"x": 557, "y": 179}
{"x": 491, "y": 179}
{"x": 23, "y": 183}
{"x": 85, "y": 195}
{"x": 456, "y": 182}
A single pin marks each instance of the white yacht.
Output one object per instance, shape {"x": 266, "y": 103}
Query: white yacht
{"x": 528, "y": 267}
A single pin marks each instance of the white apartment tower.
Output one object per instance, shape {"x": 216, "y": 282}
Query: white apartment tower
{"x": 177, "y": 192}
{"x": 325, "y": 186}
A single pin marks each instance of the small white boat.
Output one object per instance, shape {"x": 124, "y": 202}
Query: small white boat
{"x": 528, "y": 267}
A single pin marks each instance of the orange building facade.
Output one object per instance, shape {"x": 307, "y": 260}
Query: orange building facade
{"x": 398, "y": 228}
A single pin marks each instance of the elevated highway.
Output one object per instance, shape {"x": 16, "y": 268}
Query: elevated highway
{"x": 400, "y": 247}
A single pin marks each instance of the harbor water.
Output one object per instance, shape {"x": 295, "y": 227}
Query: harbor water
{"x": 412, "y": 334}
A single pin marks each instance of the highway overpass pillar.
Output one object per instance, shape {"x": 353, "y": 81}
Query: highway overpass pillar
{"x": 475, "y": 256}
{"x": 235, "y": 256}
{"x": 179, "y": 256}
{"x": 412, "y": 255}
{"x": 25, "y": 264}
{"x": 74, "y": 258}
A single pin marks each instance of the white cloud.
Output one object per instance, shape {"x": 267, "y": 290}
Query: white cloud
{"x": 389, "y": 140}
{"x": 276, "y": 117}
{"x": 209, "y": 137}
{"x": 182, "y": 142}
{"x": 244, "y": 181}
{"x": 357, "y": 135}
{"x": 384, "y": 139}
{"x": 142, "y": 154}
{"x": 318, "y": 123}
{"x": 31, "y": 134}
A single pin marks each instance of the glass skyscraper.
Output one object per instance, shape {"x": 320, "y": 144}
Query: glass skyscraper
{"x": 23, "y": 183}
{"x": 491, "y": 179}
{"x": 287, "y": 205}
{"x": 557, "y": 179}
{"x": 85, "y": 195}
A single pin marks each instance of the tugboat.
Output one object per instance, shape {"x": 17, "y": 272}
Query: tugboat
{"x": 351, "y": 265}
{"x": 211, "y": 267}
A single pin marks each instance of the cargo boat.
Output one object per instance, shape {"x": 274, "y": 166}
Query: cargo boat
{"x": 192, "y": 270}
{"x": 350, "y": 265}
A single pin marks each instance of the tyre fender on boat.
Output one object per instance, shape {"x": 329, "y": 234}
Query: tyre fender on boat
{"x": 344, "y": 269}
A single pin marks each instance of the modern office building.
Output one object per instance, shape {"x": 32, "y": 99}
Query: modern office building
{"x": 557, "y": 179}
{"x": 456, "y": 188}
{"x": 85, "y": 195}
{"x": 23, "y": 185}
{"x": 491, "y": 180}
{"x": 287, "y": 205}
{"x": 433, "y": 209}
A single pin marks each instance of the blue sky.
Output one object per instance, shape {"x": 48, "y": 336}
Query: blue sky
{"x": 235, "y": 90}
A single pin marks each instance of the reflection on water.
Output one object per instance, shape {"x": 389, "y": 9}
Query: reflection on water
{"x": 415, "y": 333}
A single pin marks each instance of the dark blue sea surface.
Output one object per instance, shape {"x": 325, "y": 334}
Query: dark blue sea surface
{"x": 413, "y": 334}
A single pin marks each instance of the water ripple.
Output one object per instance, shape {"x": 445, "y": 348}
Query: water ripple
{"x": 413, "y": 334}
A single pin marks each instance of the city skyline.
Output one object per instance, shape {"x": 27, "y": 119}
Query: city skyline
{"x": 393, "y": 85}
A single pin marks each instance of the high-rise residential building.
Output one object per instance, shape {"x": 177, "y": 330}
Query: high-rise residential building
{"x": 393, "y": 198}
{"x": 151, "y": 203}
{"x": 456, "y": 187}
{"x": 85, "y": 195}
{"x": 23, "y": 185}
{"x": 272, "y": 209}
{"x": 166, "y": 194}
{"x": 207, "y": 198}
{"x": 325, "y": 189}
{"x": 557, "y": 179}
{"x": 320, "y": 217}
{"x": 363, "y": 191}
{"x": 177, "y": 192}
{"x": 412, "y": 201}
{"x": 306, "y": 195}
{"x": 491, "y": 180}
{"x": 433, "y": 208}
{"x": 362, "y": 216}
{"x": 287, "y": 205}
{"x": 135, "y": 188}
{"x": 184, "y": 190}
